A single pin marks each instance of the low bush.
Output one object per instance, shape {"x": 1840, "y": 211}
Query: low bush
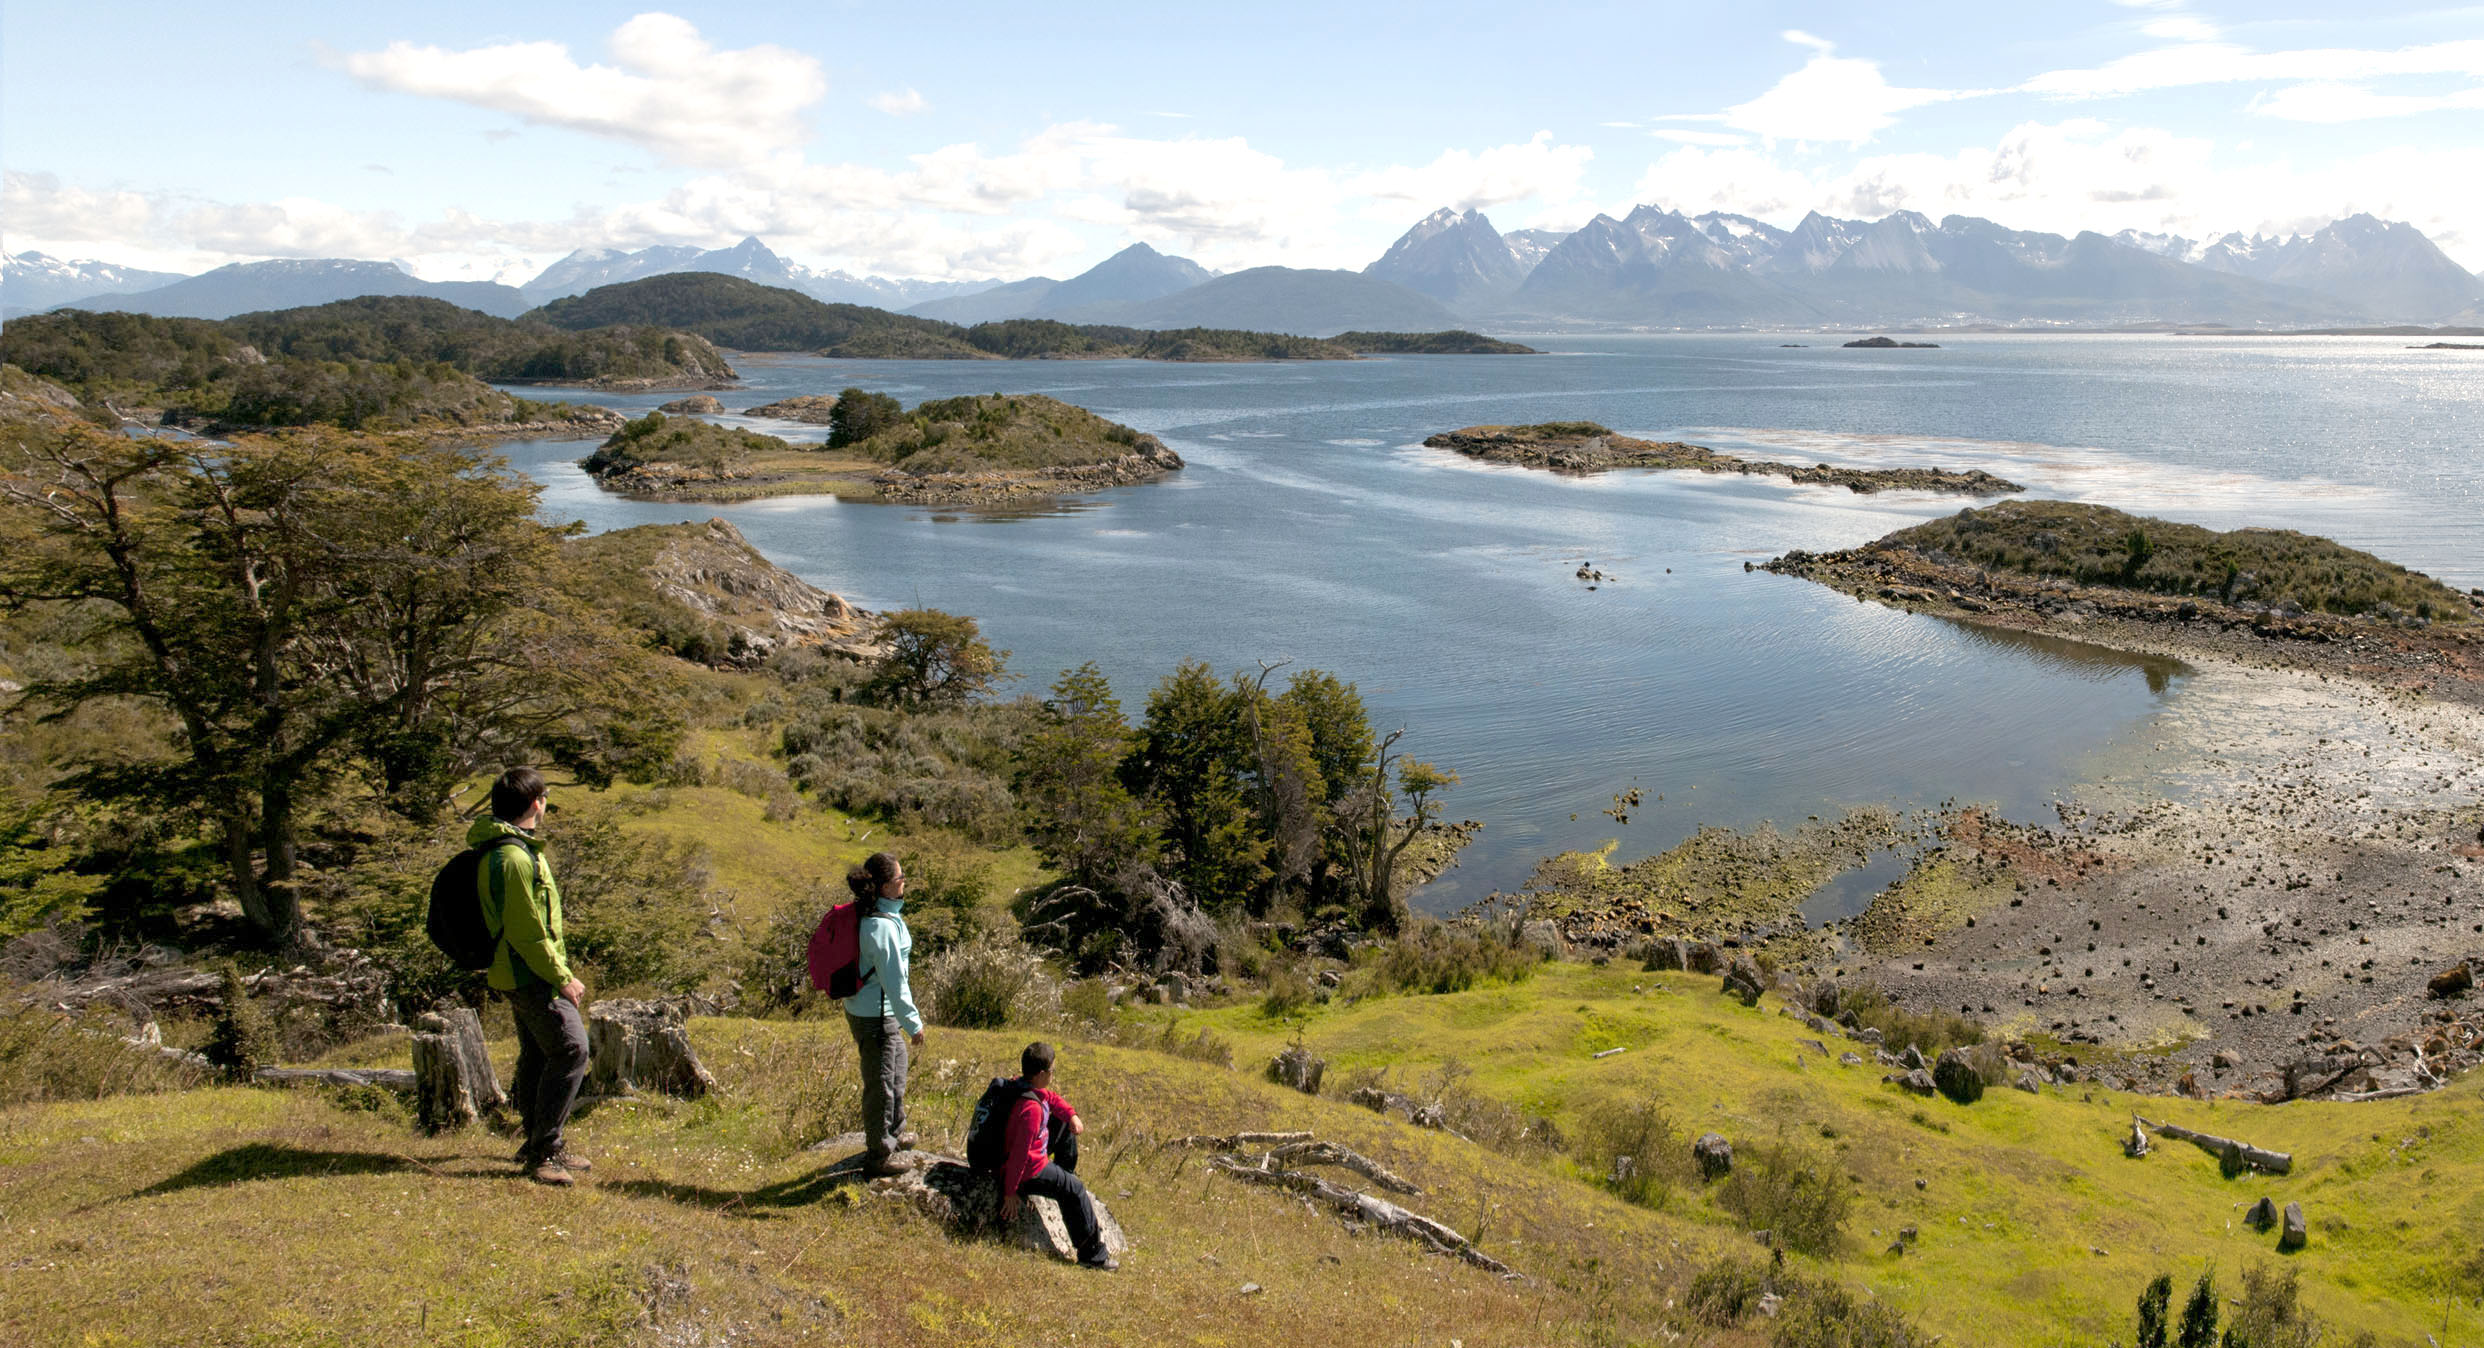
{"x": 1725, "y": 1291}
{"x": 1438, "y": 958}
{"x": 1633, "y": 1148}
{"x": 1930, "y": 1031}
{"x": 1288, "y": 991}
{"x": 47, "y": 1056}
{"x": 987, "y": 983}
{"x": 1796, "y": 1196}
{"x": 1825, "y": 1315}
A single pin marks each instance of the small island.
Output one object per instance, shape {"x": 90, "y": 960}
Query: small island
{"x": 1890, "y": 344}
{"x": 2448, "y": 346}
{"x": 1584, "y": 447}
{"x": 1454, "y": 342}
{"x": 997, "y": 449}
{"x": 2073, "y": 565}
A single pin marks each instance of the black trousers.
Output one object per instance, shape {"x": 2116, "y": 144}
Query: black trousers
{"x": 1060, "y": 1183}
{"x": 551, "y": 1062}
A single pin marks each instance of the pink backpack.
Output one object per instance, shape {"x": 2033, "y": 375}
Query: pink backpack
{"x": 835, "y": 955}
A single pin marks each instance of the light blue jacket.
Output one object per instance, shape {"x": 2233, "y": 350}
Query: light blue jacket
{"x": 886, "y": 949}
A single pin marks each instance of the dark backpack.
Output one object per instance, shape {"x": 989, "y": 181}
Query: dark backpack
{"x": 455, "y": 920}
{"x": 987, "y": 1138}
{"x": 835, "y": 954}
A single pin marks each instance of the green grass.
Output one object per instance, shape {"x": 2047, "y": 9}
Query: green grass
{"x": 2021, "y": 1189}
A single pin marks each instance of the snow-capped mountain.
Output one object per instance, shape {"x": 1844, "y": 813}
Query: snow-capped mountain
{"x": 2383, "y": 268}
{"x": 35, "y": 281}
{"x": 588, "y": 268}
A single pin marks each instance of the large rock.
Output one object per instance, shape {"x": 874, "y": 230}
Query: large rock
{"x": 2295, "y": 1233}
{"x": 1918, "y": 1082}
{"x": 2263, "y": 1214}
{"x": 1714, "y": 1155}
{"x": 2452, "y": 982}
{"x": 715, "y": 573}
{"x": 942, "y": 1187}
{"x": 1957, "y": 1078}
{"x": 1744, "y": 982}
{"x": 697, "y": 404}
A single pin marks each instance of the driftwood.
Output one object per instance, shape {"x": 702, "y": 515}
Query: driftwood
{"x": 1329, "y": 1153}
{"x": 1236, "y": 1141}
{"x": 2235, "y": 1156}
{"x": 386, "y": 1078}
{"x": 637, "y": 1046}
{"x": 1362, "y": 1207}
{"x": 179, "y": 985}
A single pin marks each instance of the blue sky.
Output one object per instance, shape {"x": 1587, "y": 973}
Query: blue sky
{"x": 971, "y": 140}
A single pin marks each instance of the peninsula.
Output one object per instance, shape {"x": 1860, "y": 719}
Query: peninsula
{"x": 1584, "y": 447}
{"x": 998, "y": 449}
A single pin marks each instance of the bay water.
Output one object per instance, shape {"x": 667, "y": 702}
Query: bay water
{"x": 1311, "y": 526}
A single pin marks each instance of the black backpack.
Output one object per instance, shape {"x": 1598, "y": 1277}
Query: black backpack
{"x": 987, "y": 1138}
{"x": 455, "y": 920}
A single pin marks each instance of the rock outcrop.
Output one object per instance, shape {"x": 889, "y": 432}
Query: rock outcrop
{"x": 697, "y": 405}
{"x": 811, "y": 409}
{"x": 1582, "y": 447}
{"x": 717, "y": 574}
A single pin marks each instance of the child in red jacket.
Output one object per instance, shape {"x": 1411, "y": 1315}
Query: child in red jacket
{"x": 1040, "y": 1158}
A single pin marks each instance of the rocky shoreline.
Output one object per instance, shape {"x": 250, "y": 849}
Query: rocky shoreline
{"x": 1585, "y": 448}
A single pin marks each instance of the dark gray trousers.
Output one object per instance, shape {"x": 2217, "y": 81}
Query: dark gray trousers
{"x": 881, "y": 1044}
{"x": 552, "y": 1060}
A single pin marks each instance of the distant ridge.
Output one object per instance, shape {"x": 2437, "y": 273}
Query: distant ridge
{"x": 750, "y": 259}
{"x": 296, "y": 283}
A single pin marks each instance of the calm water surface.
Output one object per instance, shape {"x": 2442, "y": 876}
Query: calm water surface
{"x": 1312, "y": 526}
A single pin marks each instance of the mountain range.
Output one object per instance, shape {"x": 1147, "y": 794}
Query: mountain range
{"x": 1652, "y": 268}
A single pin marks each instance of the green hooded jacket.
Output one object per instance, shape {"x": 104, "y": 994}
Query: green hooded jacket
{"x": 521, "y": 908}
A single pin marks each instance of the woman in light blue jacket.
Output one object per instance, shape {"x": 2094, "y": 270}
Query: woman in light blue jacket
{"x": 881, "y": 1013}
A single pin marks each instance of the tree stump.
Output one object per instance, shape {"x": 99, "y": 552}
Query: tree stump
{"x": 1296, "y": 1067}
{"x": 635, "y": 1046}
{"x": 465, "y": 1028}
{"x": 443, "y": 1093}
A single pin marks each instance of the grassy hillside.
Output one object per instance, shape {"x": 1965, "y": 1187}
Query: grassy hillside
{"x": 998, "y": 432}
{"x": 2098, "y": 545}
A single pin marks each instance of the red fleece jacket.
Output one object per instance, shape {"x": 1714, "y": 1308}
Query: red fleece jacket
{"x": 1022, "y": 1150}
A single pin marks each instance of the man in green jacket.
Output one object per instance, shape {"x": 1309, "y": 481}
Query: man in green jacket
{"x": 530, "y": 966}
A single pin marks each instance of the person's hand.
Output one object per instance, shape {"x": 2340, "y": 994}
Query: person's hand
{"x": 1009, "y": 1207}
{"x": 917, "y": 1037}
{"x": 575, "y": 991}
{"x": 1077, "y": 1125}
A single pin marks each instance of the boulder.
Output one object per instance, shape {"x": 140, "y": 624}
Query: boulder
{"x": 1918, "y": 1082}
{"x": 2030, "y": 1083}
{"x": 945, "y": 1189}
{"x": 1743, "y": 981}
{"x": 1668, "y": 954}
{"x": 1957, "y": 1078}
{"x": 696, "y": 405}
{"x": 2295, "y": 1233}
{"x": 2452, "y": 982}
{"x": 1850, "y": 1059}
{"x": 1701, "y": 957}
{"x": 1714, "y": 1156}
{"x": 1825, "y": 999}
{"x": 2263, "y": 1214}
{"x": 1913, "y": 1057}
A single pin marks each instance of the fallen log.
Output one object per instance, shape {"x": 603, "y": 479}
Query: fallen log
{"x": 1329, "y": 1153}
{"x": 1236, "y": 1141}
{"x": 386, "y": 1078}
{"x": 2235, "y": 1156}
{"x": 1362, "y": 1207}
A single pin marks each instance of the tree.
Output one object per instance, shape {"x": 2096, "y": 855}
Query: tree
{"x": 858, "y": 416}
{"x": 1373, "y": 837}
{"x": 1195, "y": 761}
{"x": 1081, "y": 819}
{"x": 2154, "y": 1302}
{"x": 934, "y": 659}
{"x": 2199, "y": 1315}
{"x": 303, "y": 607}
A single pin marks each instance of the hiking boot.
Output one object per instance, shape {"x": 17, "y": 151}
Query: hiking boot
{"x": 549, "y": 1172}
{"x": 880, "y": 1164}
{"x": 903, "y": 1142}
{"x": 568, "y": 1159}
{"x": 1102, "y": 1263}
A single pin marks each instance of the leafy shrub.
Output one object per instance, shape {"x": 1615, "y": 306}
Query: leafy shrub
{"x": 635, "y": 908}
{"x": 46, "y": 1056}
{"x": 1437, "y": 958}
{"x": 1633, "y": 1148}
{"x": 1723, "y": 1292}
{"x": 1797, "y": 1196}
{"x": 985, "y": 984}
{"x": 1825, "y": 1315}
{"x": 775, "y": 965}
{"x": 239, "y": 1040}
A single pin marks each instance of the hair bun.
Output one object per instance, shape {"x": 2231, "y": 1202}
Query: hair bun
{"x": 859, "y": 881}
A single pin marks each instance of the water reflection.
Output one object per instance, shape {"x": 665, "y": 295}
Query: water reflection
{"x": 2078, "y": 659}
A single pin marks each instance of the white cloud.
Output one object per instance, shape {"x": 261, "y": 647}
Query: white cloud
{"x": 1536, "y": 168}
{"x": 2182, "y": 28}
{"x": 667, "y": 89}
{"x": 2330, "y": 101}
{"x": 1682, "y": 137}
{"x": 900, "y": 103}
{"x": 2199, "y": 63}
{"x": 1831, "y": 100}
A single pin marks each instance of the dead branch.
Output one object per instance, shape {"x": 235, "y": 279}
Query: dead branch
{"x": 1237, "y": 1141}
{"x": 1362, "y": 1207}
{"x": 1329, "y": 1153}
